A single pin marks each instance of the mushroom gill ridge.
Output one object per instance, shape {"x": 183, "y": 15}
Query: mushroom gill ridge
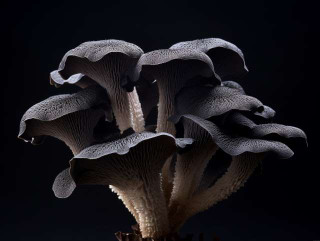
{"x": 148, "y": 125}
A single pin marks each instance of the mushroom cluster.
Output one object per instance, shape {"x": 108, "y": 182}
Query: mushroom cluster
{"x": 148, "y": 124}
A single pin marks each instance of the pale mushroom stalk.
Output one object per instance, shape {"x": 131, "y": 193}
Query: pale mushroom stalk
{"x": 126, "y": 201}
{"x": 149, "y": 204}
{"x": 137, "y": 124}
{"x": 190, "y": 167}
{"x": 167, "y": 180}
{"x": 111, "y": 81}
{"x": 239, "y": 171}
{"x": 167, "y": 90}
{"x": 137, "y": 118}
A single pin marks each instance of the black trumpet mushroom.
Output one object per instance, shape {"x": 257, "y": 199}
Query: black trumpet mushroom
{"x": 148, "y": 124}
{"x": 110, "y": 64}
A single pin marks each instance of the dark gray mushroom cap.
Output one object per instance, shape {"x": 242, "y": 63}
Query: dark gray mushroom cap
{"x": 227, "y": 58}
{"x": 233, "y": 85}
{"x": 200, "y": 61}
{"x": 64, "y": 184}
{"x": 235, "y": 146}
{"x": 122, "y": 146}
{"x": 263, "y": 130}
{"x": 118, "y": 162}
{"x": 91, "y": 52}
{"x": 279, "y": 129}
{"x": 266, "y": 112}
{"x": 238, "y": 119}
{"x": 207, "y": 101}
{"x": 60, "y": 106}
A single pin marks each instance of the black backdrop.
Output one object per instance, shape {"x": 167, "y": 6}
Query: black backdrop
{"x": 277, "y": 37}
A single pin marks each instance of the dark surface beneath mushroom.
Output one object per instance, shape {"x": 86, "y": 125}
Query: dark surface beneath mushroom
{"x": 280, "y": 200}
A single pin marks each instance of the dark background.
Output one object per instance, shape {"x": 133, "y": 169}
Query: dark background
{"x": 277, "y": 38}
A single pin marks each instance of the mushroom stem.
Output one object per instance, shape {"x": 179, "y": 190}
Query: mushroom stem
{"x": 111, "y": 81}
{"x": 137, "y": 120}
{"x": 126, "y": 201}
{"x": 189, "y": 170}
{"x": 167, "y": 180}
{"x": 120, "y": 105}
{"x": 190, "y": 166}
{"x": 239, "y": 171}
{"x": 166, "y": 105}
{"x": 149, "y": 204}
